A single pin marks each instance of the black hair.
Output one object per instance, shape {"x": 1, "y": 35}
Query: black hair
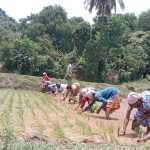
{"x": 58, "y": 84}
{"x": 93, "y": 94}
{"x": 68, "y": 86}
{"x": 86, "y": 98}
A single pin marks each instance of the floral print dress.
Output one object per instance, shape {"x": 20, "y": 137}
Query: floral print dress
{"x": 143, "y": 110}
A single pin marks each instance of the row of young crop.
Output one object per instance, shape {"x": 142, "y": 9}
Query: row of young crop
{"x": 25, "y": 113}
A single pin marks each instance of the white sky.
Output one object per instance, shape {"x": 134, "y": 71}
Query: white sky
{"x": 23, "y": 8}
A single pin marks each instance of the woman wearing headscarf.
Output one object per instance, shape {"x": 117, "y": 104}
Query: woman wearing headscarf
{"x": 109, "y": 97}
{"x": 142, "y": 115}
{"x": 82, "y": 96}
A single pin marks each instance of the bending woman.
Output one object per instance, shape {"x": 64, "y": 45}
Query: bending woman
{"x": 109, "y": 97}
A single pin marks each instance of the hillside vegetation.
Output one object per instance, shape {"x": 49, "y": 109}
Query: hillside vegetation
{"x": 48, "y": 40}
{"x": 9, "y": 80}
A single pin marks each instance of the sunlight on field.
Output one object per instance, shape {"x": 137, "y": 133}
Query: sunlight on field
{"x": 33, "y": 116}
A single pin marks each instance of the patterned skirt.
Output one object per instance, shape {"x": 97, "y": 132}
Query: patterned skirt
{"x": 143, "y": 109}
{"x": 139, "y": 115}
{"x": 113, "y": 105}
{"x": 113, "y": 102}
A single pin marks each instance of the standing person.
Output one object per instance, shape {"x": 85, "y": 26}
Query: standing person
{"x": 110, "y": 98}
{"x": 141, "y": 101}
{"x": 72, "y": 91}
{"x": 82, "y": 96}
{"x": 69, "y": 73}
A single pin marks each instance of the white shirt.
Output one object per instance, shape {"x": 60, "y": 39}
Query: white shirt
{"x": 62, "y": 87}
{"x": 69, "y": 68}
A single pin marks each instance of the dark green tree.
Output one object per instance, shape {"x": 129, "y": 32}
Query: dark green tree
{"x": 144, "y": 21}
{"x": 81, "y": 35}
{"x": 103, "y": 8}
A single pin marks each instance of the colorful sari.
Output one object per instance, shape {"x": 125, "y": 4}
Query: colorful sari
{"x": 143, "y": 110}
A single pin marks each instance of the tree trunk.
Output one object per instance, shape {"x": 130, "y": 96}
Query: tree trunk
{"x": 101, "y": 45}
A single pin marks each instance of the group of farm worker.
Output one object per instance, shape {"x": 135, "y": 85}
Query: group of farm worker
{"x": 110, "y": 99}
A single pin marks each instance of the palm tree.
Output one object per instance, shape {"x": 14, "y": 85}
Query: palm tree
{"x": 103, "y": 8}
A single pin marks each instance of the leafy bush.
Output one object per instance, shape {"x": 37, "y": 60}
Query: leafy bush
{"x": 124, "y": 76}
{"x": 131, "y": 88}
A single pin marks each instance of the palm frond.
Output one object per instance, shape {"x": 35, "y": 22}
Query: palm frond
{"x": 122, "y": 6}
{"x": 103, "y": 6}
{"x": 89, "y": 5}
{"x": 113, "y": 5}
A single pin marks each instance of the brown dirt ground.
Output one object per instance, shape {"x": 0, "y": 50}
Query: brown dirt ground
{"x": 115, "y": 122}
{"x": 38, "y": 127}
